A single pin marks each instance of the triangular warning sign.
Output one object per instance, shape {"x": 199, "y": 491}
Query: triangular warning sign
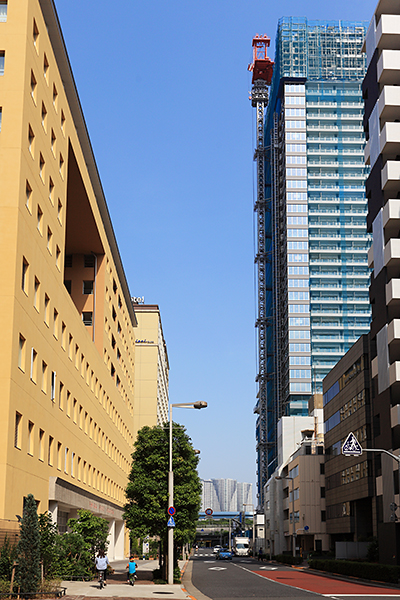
{"x": 351, "y": 446}
{"x": 171, "y": 522}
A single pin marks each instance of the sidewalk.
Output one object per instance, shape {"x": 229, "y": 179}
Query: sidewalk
{"x": 117, "y": 586}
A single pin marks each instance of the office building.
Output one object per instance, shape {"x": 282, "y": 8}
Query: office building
{"x": 151, "y": 380}
{"x": 382, "y": 115}
{"x": 350, "y": 489}
{"x": 312, "y": 250}
{"x": 226, "y": 495}
{"x": 67, "y": 319}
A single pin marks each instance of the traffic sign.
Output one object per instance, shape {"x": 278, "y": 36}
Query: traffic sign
{"x": 306, "y": 528}
{"x": 209, "y": 512}
{"x": 351, "y": 446}
{"x": 171, "y": 510}
{"x": 171, "y": 522}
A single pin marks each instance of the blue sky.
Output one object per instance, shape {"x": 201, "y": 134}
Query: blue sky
{"x": 164, "y": 89}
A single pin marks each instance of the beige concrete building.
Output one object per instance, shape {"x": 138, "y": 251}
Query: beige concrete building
{"x": 67, "y": 319}
{"x": 151, "y": 368}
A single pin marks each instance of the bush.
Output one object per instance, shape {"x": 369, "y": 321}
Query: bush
{"x": 287, "y": 559}
{"x": 386, "y": 573}
{"x": 8, "y": 554}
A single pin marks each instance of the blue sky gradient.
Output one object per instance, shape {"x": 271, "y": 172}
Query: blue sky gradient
{"x": 164, "y": 88}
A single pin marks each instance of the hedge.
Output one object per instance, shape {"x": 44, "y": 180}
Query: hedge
{"x": 386, "y": 573}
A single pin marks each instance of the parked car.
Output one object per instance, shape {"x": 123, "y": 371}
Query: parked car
{"x": 224, "y": 554}
{"x": 216, "y": 549}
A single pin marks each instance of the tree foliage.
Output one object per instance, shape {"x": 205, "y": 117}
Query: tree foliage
{"x": 93, "y": 529}
{"x": 48, "y": 534}
{"x": 147, "y": 490}
{"x": 28, "y": 549}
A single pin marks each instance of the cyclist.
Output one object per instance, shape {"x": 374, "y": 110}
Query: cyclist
{"x": 101, "y": 564}
{"x": 131, "y": 566}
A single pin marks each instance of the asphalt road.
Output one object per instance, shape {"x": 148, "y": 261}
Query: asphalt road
{"x": 246, "y": 578}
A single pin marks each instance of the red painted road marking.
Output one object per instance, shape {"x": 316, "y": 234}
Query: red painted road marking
{"x": 325, "y": 586}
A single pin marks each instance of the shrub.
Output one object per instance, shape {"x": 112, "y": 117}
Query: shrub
{"x": 28, "y": 572}
{"x": 386, "y": 573}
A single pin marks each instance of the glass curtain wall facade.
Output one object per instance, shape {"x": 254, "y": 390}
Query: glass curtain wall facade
{"x": 316, "y": 235}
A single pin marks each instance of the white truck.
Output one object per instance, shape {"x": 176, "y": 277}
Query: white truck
{"x": 241, "y": 546}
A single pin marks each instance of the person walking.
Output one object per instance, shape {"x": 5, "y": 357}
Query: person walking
{"x": 101, "y": 564}
{"x": 260, "y": 554}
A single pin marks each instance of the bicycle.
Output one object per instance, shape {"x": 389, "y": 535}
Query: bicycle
{"x": 132, "y": 578}
{"x": 101, "y": 579}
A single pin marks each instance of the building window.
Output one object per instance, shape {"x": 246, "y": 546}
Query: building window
{"x": 33, "y": 365}
{"x": 17, "y": 431}
{"x": 50, "y": 451}
{"x": 88, "y": 287}
{"x": 63, "y": 122}
{"x": 45, "y": 67}
{"x": 33, "y": 87}
{"x": 58, "y": 258}
{"x": 1, "y": 116}
{"x": 2, "y": 60}
{"x": 49, "y": 240}
{"x": 60, "y": 396}
{"x": 53, "y": 386}
{"x": 87, "y": 318}
{"x": 323, "y": 515}
{"x": 39, "y": 220}
{"x": 24, "y": 280}
{"x": 66, "y": 458}
{"x": 35, "y": 35}
{"x": 68, "y": 404}
{"x": 30, "y": 437}
{"x": 322, "y": 492}
{"x": 46, "y": 309}
{"x": 3, "y": 11}
{"x": 88, "y": 261}
{"x": 59, "y": 211}
{"x": 61, "y": 166}
{"x": 21, "y": 353}
{"x": 59, "y": 449}
{"x": 28, "y": 197}
{"x": 51, "y": 190}
{"x": 31, "y": 140}
{"x": 36, "y": 297}
{"x": 42, "y": 164}
{"x": 44, "y": 377}
{"x": 68, "y": 285}
{"x": 41, "y": 444}
{"x": 44, "y": 117}
{"x": 55, "y": 96}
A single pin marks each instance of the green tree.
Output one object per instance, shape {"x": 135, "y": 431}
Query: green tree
{"x": 48, "y": 535}
{"x": 71, "y": 558}
{"x": 93, "y": 529}
{"x": 147, "y": 490}
{"x": 29, "y": 548}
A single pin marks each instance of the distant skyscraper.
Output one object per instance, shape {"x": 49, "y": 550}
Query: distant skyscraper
{"x": 315, "y": 289}
{"x": 225, "y": 495}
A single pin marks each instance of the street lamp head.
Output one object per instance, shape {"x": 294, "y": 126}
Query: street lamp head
{"x": 200, "y": 404}
{"x": 196, "y": 451}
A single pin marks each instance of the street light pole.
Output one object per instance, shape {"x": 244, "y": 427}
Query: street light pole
{"x": 198, "y": 405}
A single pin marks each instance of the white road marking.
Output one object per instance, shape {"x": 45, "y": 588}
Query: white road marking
{"x": 268, "y": 568}
{"x": 217, "y": 569}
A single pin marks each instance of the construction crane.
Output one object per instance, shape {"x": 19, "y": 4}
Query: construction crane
{"x": 262, "y": 69}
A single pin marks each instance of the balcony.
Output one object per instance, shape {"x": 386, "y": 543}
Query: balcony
{"x": 387, "y": 34}
{"x": 391, "y": 218}
{"x": 393, "y": 291}
{"x": 388, "y": 67}
{"x": 392, "y": 254}
{"x": 389, "y": 103}
{"x": 394, "y": 373}
{"x": 389, "y": 139}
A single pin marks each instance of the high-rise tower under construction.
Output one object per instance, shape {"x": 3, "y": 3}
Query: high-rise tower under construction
{"x": 312, "y": 255}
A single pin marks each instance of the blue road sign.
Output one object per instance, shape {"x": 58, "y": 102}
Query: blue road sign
{"x": 306, "y": 528}
{"x": 171, "y": 510}
{"x": 351, "y": 446}
{"x": 171, "y": 522}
